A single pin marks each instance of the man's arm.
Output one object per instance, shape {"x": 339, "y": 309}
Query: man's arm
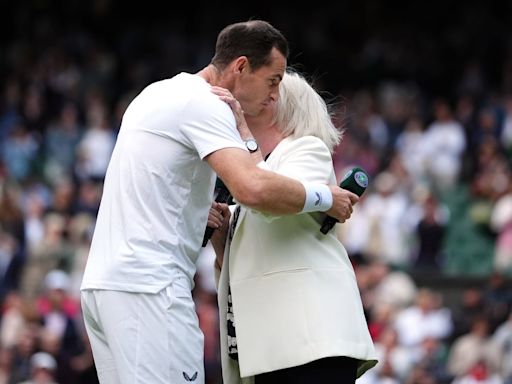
{"x": 268, "y": 191}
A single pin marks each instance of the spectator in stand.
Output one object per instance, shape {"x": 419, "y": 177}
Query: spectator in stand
{"x": 431, "y": 356}
{"x": 11, "y": 264}
{"x": 56, "y": 307}
{"x": 470, "y": 350}
{"x": 492, "y": 175}
{"x": 445, "y": 142}
{"x": 410, "y": 145}
{"x": 60, "y": 143}
{"x": 28, "y": 344}
{"x": 394, "y": 359}
{"x": 383, "y": 291}
{"x": 89, "y": 196}
{"x": 426, "y": 318}
{"x": 466, "y": 113}
{"x": 58, "y": 313}
{"x": 33, "y": 215}
{"x": 83, "y": 364}
{"x": 10, "y": 115}
{"x": 12, "y": 319}
{"x": 393, "y": 286}
{"x": 11, "y": 214}
{"x": 63, "y": 201}
{"x": 380, "y": 318}
{"x": 503, "y": 338}
{"x": 430, "y": 233}
{"x": 52, "y": 252}
{"x": 488, "y": 125}
{"x": 479, "y": 374}
{"x": 43, "y": 369}
{"x": 80, "y": 231}
{"x": 34, "y": 110}
{"x": 97, "y": 143}
{"x": 19, "y": 153}
{"x": 498, "y": 299}
{"x": 506, "y": 132}
{"x": 472, "y": 305}
{"x": 501, "y": 224}
{"x": 370, "y": 127}
{"x": 419, "y": 375}
{"x": 388, "y": 232}
{"x": 5, "y": 364}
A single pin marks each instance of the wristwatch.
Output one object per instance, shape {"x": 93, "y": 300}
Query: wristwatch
{"x": 251, "y": 145}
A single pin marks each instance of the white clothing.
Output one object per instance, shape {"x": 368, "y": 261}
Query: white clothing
{"x": 158, "y": 189}
{"x": 96, "y": 148}
{"x": 502, "y": 338}
{"x": 414, "y": 325}
{"x": 411, "y": 147}
{"x": 468, "y": 379}
{"x": 294, "y": 292}
{"x": 469, "y": 349}
{"x": 444, "y": 144}
{"x": 400, "y": 358}
{"x": 506, "y": 133}
{"x": 397, "y": 288}
{"x": 205, "y": 272}
{"x": 388, "y": 233}
{"x": 139, "y": 338}
{"x": 148, "y": 234}
{"x": 501, "y": 213}
{"x": 354, "y": 233}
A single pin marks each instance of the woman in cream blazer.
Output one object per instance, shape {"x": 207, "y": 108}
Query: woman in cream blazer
{"x": 294, "y": 294}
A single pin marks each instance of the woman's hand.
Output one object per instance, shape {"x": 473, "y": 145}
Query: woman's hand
{"x": 215, "y": 216}
{"x": 218, "y": 218}
{"x": 238, "y": 112}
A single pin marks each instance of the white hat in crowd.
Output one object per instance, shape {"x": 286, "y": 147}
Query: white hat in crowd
{"x": 57, "y": 279}
{"x": 43, "y": 360}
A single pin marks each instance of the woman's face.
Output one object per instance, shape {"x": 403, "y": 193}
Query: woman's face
{"x": 264, "y": 118}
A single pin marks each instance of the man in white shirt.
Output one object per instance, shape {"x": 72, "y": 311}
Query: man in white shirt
{"x": 175, "y": 136}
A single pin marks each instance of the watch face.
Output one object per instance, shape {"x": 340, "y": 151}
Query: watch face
{"x": 251, "y": 145}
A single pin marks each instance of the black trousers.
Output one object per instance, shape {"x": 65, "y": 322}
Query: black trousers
{"x": 331, "y": 370}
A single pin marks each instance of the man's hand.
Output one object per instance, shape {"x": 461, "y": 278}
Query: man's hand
{"x": 342, "y": 203}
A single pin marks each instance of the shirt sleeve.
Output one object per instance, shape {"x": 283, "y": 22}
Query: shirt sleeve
{"x": 208, "y": 124}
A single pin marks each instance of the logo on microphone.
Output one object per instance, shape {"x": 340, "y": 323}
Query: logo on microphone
{"x": 319, "y": 197}
{"x": 361, "y": 179}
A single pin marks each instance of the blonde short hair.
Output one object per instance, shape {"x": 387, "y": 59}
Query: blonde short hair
{"x": 301, "y": 111}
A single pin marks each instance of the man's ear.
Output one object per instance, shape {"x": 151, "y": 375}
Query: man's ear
{"x": 241, "y": 64}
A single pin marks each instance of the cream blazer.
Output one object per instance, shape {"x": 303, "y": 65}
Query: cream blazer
{"x": 294, "y": 291}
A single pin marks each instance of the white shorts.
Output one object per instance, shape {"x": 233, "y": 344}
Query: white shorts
{"x": 143, "y": 337}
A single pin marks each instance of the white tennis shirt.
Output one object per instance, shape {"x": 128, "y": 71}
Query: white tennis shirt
{"x": 158, "y": 190}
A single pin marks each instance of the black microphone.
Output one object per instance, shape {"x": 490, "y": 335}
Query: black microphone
{"x": 222, "y": 195}
{"x": 356, "y": 181}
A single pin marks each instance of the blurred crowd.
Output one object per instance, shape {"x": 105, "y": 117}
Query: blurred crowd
{"x": 439, "y": 203}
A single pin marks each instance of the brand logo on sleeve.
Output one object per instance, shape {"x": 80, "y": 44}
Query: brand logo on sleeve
{"x": 190, "y": 378}
{"x": 319, "y": 197}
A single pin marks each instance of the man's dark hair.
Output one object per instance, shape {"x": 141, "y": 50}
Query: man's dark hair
{"x": 254, "y": 39}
